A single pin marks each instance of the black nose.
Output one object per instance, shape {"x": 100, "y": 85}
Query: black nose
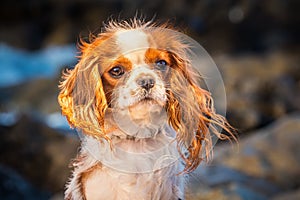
{"x": 146, "y": 82}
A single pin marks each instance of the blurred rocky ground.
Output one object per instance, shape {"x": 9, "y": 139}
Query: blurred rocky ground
{"x": 39, "y": 154}
{"x": 264, "y": 165}
{"x": 255, "y": 45}
{"x": 260, "y": 88}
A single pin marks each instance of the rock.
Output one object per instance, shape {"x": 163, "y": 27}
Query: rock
{"x": 294, "y": 195}
{"x": 272, "y": 152}
{"x": 57, "y": 196}
{"x": 260, "y": 89}
{"x": 266, "y": 165}
{"x": 13, "y": 186}
{"x": 38, "y": 95}
{"x": 38, "y": 153}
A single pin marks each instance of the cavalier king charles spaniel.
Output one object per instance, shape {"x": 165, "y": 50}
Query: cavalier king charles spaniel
{"x": 143, "y": 119}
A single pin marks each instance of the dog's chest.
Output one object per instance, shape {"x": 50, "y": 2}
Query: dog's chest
{"x": 110, "y": 184}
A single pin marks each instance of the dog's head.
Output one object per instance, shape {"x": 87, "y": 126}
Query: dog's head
{"x": 140, "y": 73}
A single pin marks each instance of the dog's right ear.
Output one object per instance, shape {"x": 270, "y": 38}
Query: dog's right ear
{"x": 65, "y": 98}
{"x": 82, "y": 98}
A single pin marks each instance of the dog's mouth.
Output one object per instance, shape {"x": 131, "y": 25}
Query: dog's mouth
{"x": 145, "y": 105}
{"x": 148, "y": 99}
{"x": 145, "y": 109}
{"x": 142, "y": 118}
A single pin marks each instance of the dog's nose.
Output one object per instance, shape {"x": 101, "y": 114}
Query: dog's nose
{"x": 147, "y": 82}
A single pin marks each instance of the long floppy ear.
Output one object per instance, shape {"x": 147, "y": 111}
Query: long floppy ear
{"x": 82, "y": 98}
{"x": 192, "y": 115}
{"x": 65, "y": 98}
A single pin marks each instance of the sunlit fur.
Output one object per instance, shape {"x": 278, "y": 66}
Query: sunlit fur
{"x": 190, "y": 109}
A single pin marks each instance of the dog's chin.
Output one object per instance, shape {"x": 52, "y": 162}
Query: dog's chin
{"x": 145, "y": 111}
{"x": 143, "y": 119}
{"x": 144, "y": 108}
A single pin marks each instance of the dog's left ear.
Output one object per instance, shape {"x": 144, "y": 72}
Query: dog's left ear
{"x": 192, "y": 115}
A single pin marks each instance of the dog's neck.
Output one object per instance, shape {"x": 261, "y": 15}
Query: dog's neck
{"x": 135, "y": 155}
{"x": 132, "y": 124}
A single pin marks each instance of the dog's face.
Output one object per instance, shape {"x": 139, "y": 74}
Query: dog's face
{"x": 136, "y": 79}
{"x": 136, "y": 75}
{"x": 140, "y": 73}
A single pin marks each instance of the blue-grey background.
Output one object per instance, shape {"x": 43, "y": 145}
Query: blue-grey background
{"x": 255, "y": 45}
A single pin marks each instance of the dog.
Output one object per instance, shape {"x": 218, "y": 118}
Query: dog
{"x": 144, "y": 121}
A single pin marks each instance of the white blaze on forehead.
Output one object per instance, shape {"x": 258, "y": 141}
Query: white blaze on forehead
{"x": 131, "y": 40}
{"x": 133, "y": 44}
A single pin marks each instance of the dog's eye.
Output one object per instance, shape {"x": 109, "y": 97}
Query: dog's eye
{"x": 161, "y": 64}
{"x": 116, "y": 72}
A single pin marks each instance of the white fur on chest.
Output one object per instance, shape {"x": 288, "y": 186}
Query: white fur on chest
{"x": 145, "y": 169}
{"x": 106, "y": 183}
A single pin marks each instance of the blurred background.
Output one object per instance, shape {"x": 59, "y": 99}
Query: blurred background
{"x": 255, "y": 44}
